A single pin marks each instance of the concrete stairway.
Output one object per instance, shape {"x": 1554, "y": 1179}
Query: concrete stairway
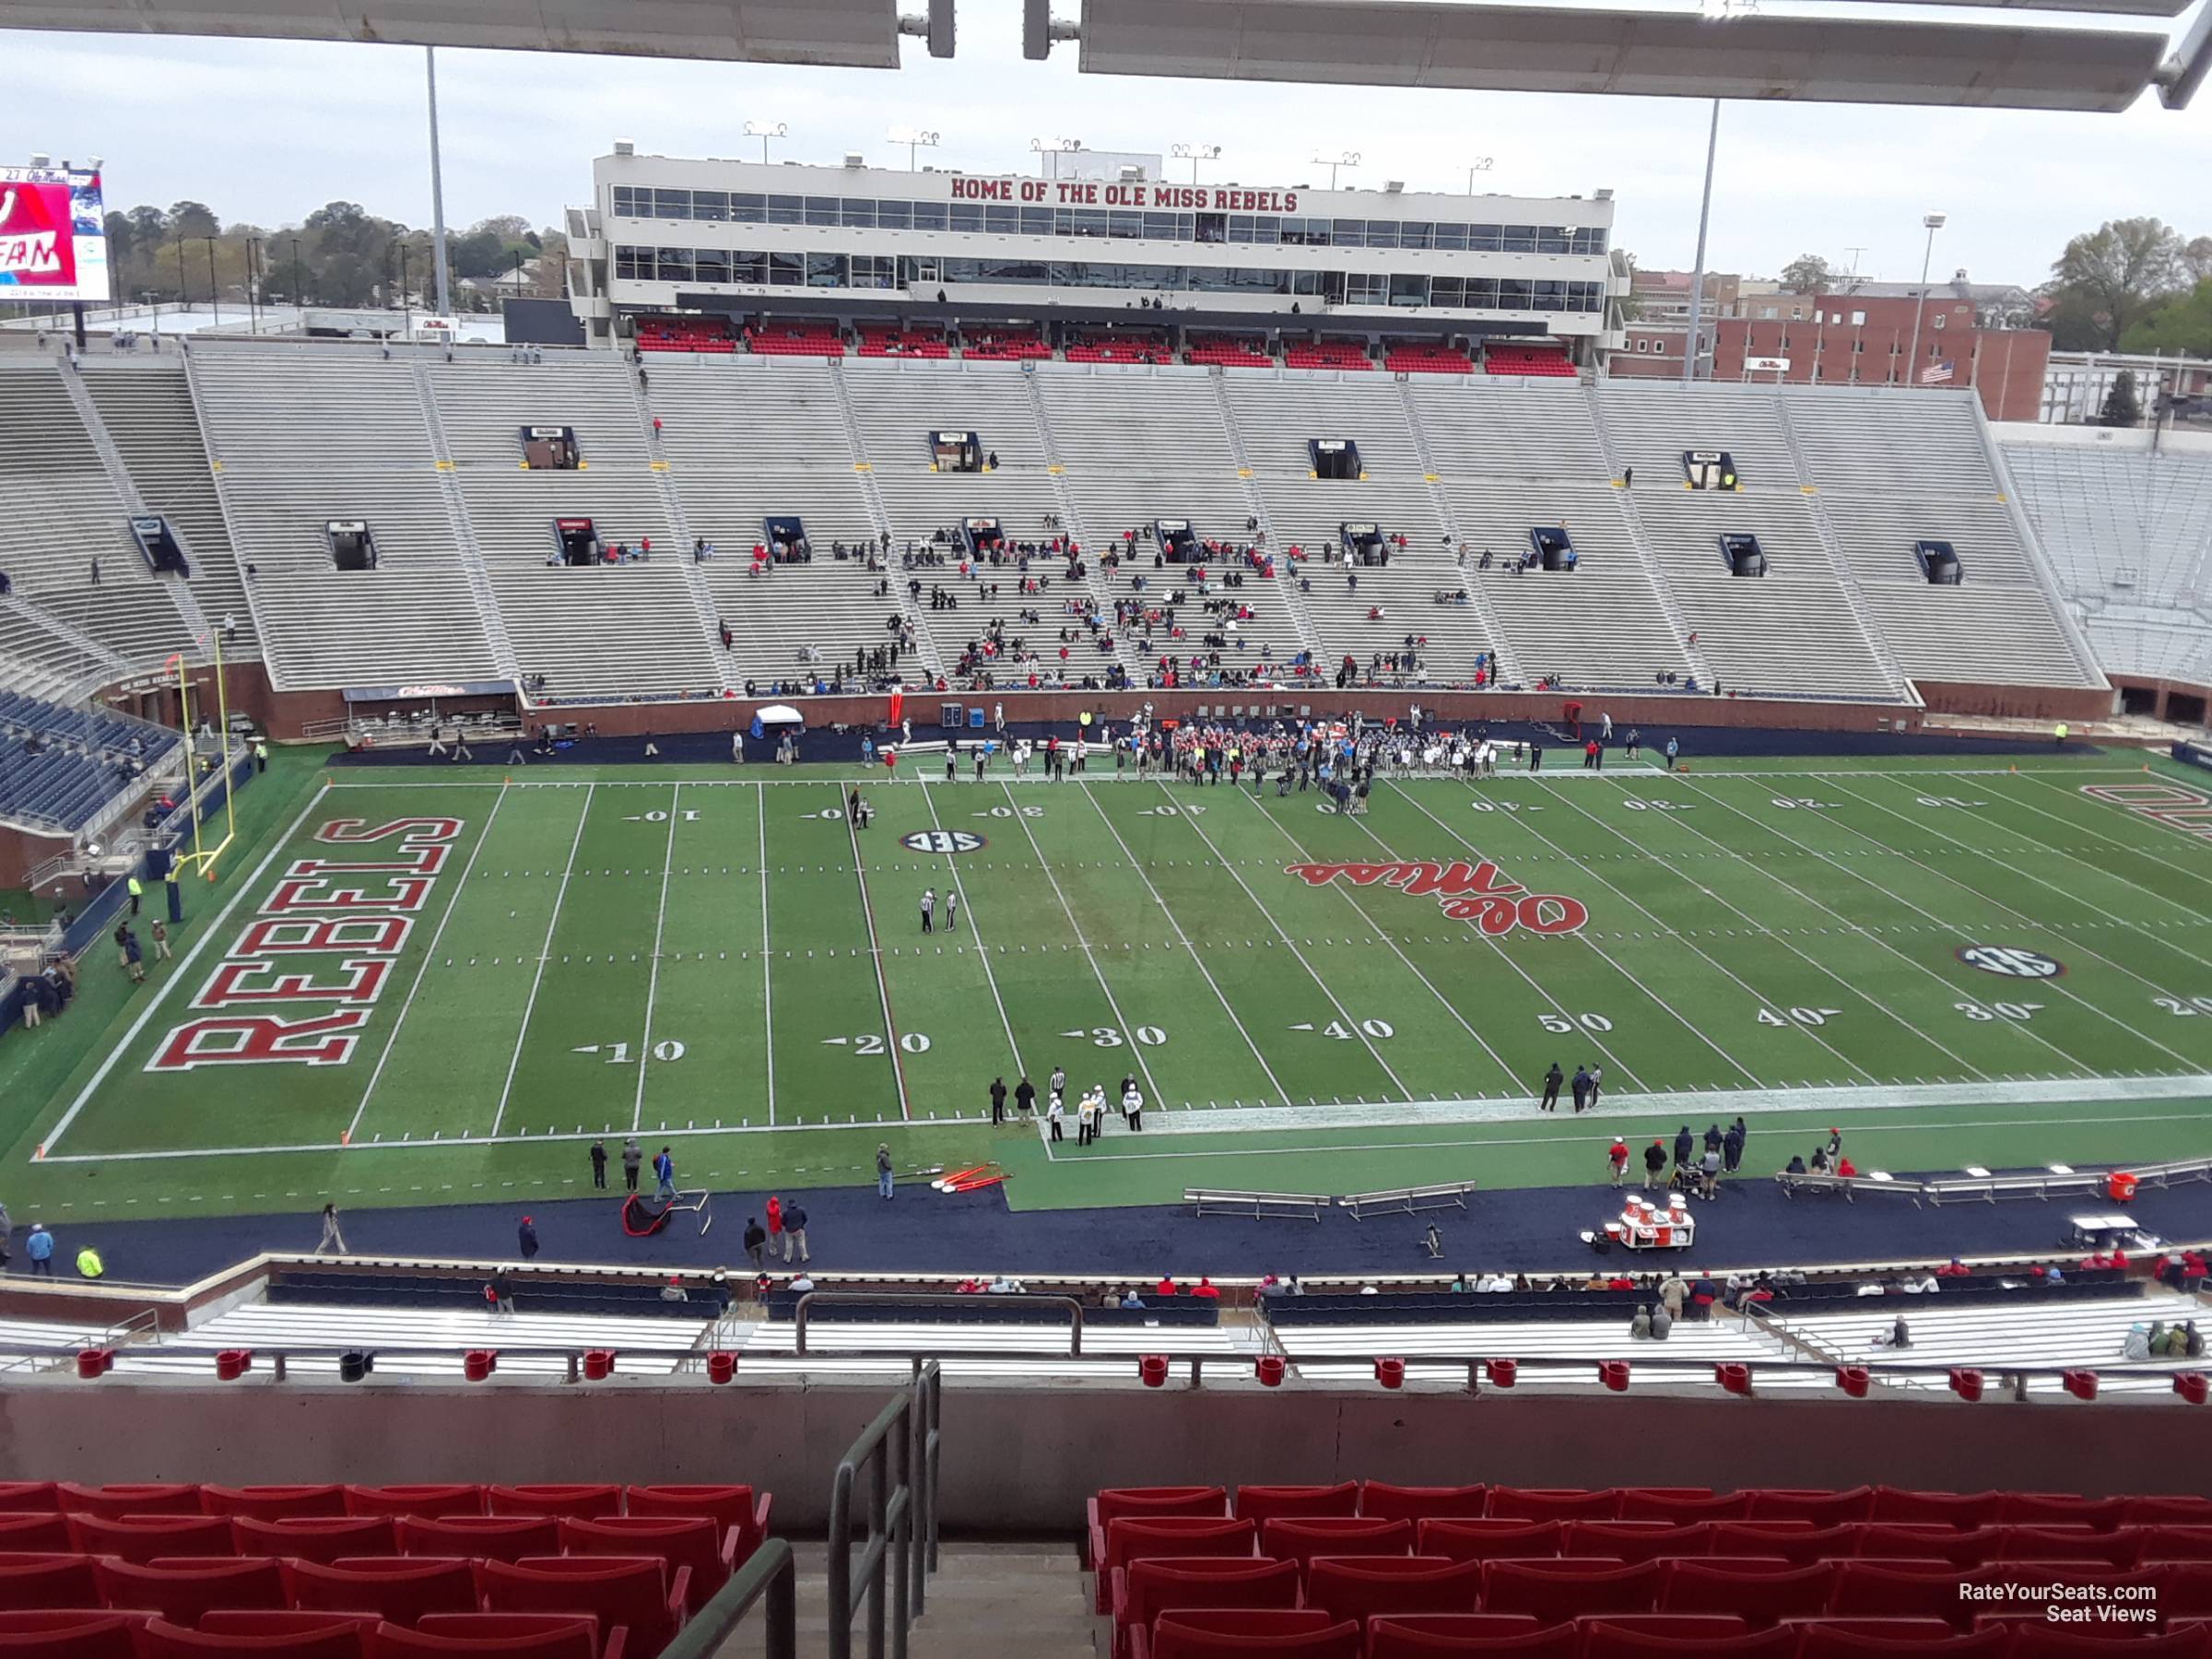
{"x": 1018, "y": 1600}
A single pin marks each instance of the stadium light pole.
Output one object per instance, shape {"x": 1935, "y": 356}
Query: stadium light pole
{"x": 1196, "y": 153}
{"x": 1697, "y": 280}
{"x": 430, "y": 69}
{"x": 214, "y": 298}
{"x": 914, "y": 138}
{"x": 1933, "y": 223}
{"x": 184, "y": 294}
{"x": 298, "y": 293}
{"x": 764, "y": 131}
{"x": 1347, "y": 159}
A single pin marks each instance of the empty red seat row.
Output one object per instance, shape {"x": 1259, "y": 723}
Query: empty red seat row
{"x": 1012, "y": 346}
{"x": 685, "y": 334}
{"x": 795, "y": 340}
{"x": 97, "y": 1633}
{"x": 642, "y": 1594}
{"x": 1326, "y": 355}
{"x": 1526, "y": 360}
{"x": 1427, "y": 360}
{"x": 894, "y": 342}
{"x": 1229, "y": 351}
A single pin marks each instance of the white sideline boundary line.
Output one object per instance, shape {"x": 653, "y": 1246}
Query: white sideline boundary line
{"x": 982, "y": 951}
{"x": 543, "y": 952}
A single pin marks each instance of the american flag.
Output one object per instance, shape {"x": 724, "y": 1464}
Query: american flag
{"x": 1935, "y": 373}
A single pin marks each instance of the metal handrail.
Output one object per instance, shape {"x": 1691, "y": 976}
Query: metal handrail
{"x": 802, "y": 1311}
{"x": 772, "y": 1572}
{"x": 897, "y": 1498}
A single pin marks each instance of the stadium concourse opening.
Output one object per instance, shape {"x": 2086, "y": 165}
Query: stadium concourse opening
{"x": 783, "y": 536}
{"x": 1363, "y": 544}
{"x": 579, "y": 541}
{"x": 1710, "y": 469}
{"x": 352, "y": 544}
{"x": 1553, "y": 548}
{"x": 158, "y": 542}
{"x": 1741, "y": 553}
{"x": 1336, "y": 459}
{"x": 1939, "y": 563}
{"x": 1178, "y": 542}
{"x": 956, "y": 452}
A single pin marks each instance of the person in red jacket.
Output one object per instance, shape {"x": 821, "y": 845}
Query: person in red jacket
{"x": 1166, "y": 1286}
{"x": 1206, "y": 1288}
{"x": 775, "y": 1222}
{"x": 1954, "y": 1268}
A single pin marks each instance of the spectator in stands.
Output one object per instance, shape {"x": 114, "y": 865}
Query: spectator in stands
{"x": 332, "y": 1239}
{"x": 1131, "y": 1300}
{"x": 1166, "y": 1289}
{"x": 1206, "y": 1288}
{"x": 1663, "y": 1324}
{"x": 1640, "y": 1327}
{"x": 672, "y": 1291}
{"x": 525, "y": 1237}
{"x": 498, "y": 1295}
{"x": 1674, "y": 1293}
{"x": 1899, "y": 1335}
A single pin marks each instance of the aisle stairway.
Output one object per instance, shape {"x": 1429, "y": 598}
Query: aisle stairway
{"x": 1016, "y": 1600}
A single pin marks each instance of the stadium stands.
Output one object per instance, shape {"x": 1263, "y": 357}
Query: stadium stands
{"x": 795, "y": 339}
{"x": 1229, "y": 351}
{"x": 1325, "y": 354}
{"x": 878, "y": 339}
{"x": 709, "y": 334}
{"x": 1015, "y": 344}
{"x": 1527, "y": 360}
{"x": 60, "y": 767}
{"x": 1427, "y": 360}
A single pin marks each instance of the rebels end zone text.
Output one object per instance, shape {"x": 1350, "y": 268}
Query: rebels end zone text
{"x": 314, "y": 909}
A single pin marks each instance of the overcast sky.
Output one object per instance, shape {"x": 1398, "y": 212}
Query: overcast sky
{"x": 267, "y": 132}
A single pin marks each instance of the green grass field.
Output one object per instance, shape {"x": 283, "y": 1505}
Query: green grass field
{"x": 1984, "y": 965}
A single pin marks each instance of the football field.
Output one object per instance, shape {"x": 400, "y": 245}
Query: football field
{"x": 437, "y": 959}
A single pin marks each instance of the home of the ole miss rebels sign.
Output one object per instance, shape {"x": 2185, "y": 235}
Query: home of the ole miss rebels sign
{"x": 1083, "y": 192}
{"x": 299, "y": 984}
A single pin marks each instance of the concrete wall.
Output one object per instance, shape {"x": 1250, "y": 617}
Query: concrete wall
{"x": 1022, "y": 1460}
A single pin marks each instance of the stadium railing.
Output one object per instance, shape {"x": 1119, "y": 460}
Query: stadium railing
{"x": 900, "y": 1453}
{"x": 772, "y": 1575}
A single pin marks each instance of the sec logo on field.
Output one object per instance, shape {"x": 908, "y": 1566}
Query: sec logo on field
{"x": 941, "y": 841}
{"x": 2011, "y": 961}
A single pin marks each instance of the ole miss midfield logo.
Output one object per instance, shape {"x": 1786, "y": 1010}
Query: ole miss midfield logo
{"x": 1478, "y": 893}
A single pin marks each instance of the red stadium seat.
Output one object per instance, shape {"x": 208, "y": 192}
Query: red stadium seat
{"x": 2184, "y": 1588}
{"x": 1880, "y": 1541}
{"x": 30, "y": 1580}
{"x": 1637, "y": 1540}
{"x": 1681, "y": 1507}
{"x": 1116, "y": 1502}
{"x": 2178, "y": 1511}
{"x": 1422, "y": 1503}
{"x": 86, "y": 1632}
{"x": 1962, "y": 1510}
{"x": 514, "y": 1635}
{"x": 1605, "y": 1640}
{"x": 1490, "y": 1540}
{"x": 1822, "y": 1509}
{"x": 274, "y": 1502}
{"x": 266, "y": 1622}
{"x": 1793, "y": 1541}
{"x": 166, "y": 1499}
{"x": 1146, "y": 1589}
{"x": 334, "y": 1637}
{"x": 727, "y": 1506}
{"x": 489, "y": 1538}
{"x": 1206, "y": 1632}
{"x": 590, "y": 1502}
{"x": 144, "y": 1537}
{"x": 324, "y": 1538}
{"x": 1263, "y": 1503}
{"x": 2121, "y": 1548}
{"x": 638, "y": 1591}
{"x": 710, "y": 1552}
{"x": 1569, "y": 1587}
{"x": 1827, "y": 1642}
{"x": 2174, "y": 1544}
{"x": 452, "y": 1499}
{"x": 1901, "y": 1590}
{"x": 2033, "y": 1638}
{"x": 400, "y": 1588}
{"x": 1166, "y": 1537}
{"x": 1517, "y": 1503}
{"x": 1362, "y": 1587}
{"x": 36, "y": 1534}
{"x": 1301, "y": 1540}
{"x": 29, "y": 1498}
{"x": 2061, "y": 1509}
{"x": 1425, "y": 1635}
{"x": 1759, "y": 1598}
{"x": 182, "y": 1588}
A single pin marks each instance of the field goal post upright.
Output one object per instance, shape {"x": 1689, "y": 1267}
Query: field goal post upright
{"x": 202, "y": 856}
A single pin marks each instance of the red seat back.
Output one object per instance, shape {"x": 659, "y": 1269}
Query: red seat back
{"x": 338, "y": 1637}
{"x": 1637, "y": 1540}
{"x": 144, "y": 1537}
{"x": 1926, "y": 1541}
{"x": 515, "y": 1635}
{"x": 324, "y": 1538}
{"x": 1896, "y": 1590}
{"x": 727, "y": 1506}
{"x": 1568, "y": 1588}
{"x": 1301, "y": 1540}
{"x": 442, "y": 1499}
{"x": 1962, "y": 1510}
{"x": 2176, "y": 1511}
{"x": 2119, "y": 1547}
{"x": 1540, "y": 1503}
{"x": 274, "y": 1502}
{"x": 1115, "y": 1502}
{"x": 1422, "y": 1503}
{"x": 579, "y": 1502}
{"x": 1664, "y": 1504}
{"x": 1759, "y": 1598}
{"x": 619, "y": 1590}
{"x": 1490, "y": 1540}
{"x": 86, "y": 1632}
{"x": 1263, "y": 1503}
{"x": 1361, "y": 1588}
{"x": 1826, "y": 1641}
{"x": 490, "y": 1537}
{"x": 2062, "y": 1509}
{"x": 167, "y": 1498}
{"x": 2035, "y": 1639}
{"x": 1822, "y": 1509}
{"x": 35, "y": 1533}
{"x": 696, "y": 1543}
{"x": 1426, "y": 1635}
{"x": 2177, "y": 1544}
{"x": 1792, "y": 1541}
{"x": 29, "y": 1498}
{"x": 1165, "y": 1537}
{"x": 2185, "y": 1589}
{"x": 1608, "y": 1640}
{"x": 1302, "y": 1634}
{"x": 33, "y": 1579}
{"x": 400, "y": 1588}
{"x": 182, "y": 1588}
{"x": 1147, "y": 1589}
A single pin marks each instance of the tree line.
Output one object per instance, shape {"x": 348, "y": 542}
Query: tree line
{"x": 339, "y": 255}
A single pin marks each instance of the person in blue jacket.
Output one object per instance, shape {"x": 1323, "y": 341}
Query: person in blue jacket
{"x": 38, "y": 1247}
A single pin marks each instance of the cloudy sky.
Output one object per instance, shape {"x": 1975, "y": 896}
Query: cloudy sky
{"x": 267, "y": 132}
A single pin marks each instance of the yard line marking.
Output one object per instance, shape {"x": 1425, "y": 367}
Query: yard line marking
{"x": 153, "y": 1007}
{"x": 545, "y": 951}
{"x": 653, "y": 978}
{"x": 1510, "y": 1080}
{"x": 1151, "y": 1083}
{"x": 1184, "y": 938}
{"x": 429, "y": 956}
{"x": 2053, "y": 985}
{"x": 975, "y": 928}
{"x": 1342, "y": 1012}
{"x": 1643, "y": 851}
{"x": 767, "y": 987}
{"x": 883, "y": 989}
